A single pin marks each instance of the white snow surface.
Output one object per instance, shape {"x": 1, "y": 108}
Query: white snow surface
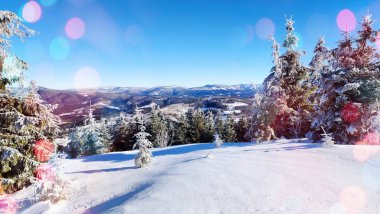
{"x": 273, "y": 177}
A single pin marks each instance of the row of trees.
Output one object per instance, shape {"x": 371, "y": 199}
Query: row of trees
{"x": 196, "y": 126}
{"x": 339, "y": 92}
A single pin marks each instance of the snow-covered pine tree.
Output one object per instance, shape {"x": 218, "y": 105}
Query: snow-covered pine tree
{"x": 144, "y": 157}
{"x": 105, "y": 133}
{"x": 93, "y": 143}
{"x": 123, "y": 134}
{"x": 74, "y": 147}
{"x": 197, "y": 128}
{"x": 319, "y": 61}
{"x": 210, "y": 127}
{"x": 157, "y": 127}
{"x": 181, "y": 128}
{"x": 347, "y": 92}
{"x": 11, "y": 26}
{"x": 219, "y": 123}
{"x": 21, "y": 127}
{"x": 44, "y": 112}
{"x": 218, "y": 141}
{"x": 228, "y": 132}
{"x": 241, "y": 128}
{"x": 285, "y": 90}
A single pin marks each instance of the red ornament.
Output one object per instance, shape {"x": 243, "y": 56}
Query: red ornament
{"x": 43, "y": 150}
{"x": 351, "y": 112}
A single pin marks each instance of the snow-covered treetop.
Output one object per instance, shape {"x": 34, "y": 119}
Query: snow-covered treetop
{"x": 291, "y": 39}
{"x": 276, "y": 55}
{"x": 11, "y": 26}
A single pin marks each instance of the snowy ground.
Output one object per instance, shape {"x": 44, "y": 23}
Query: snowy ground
{"x": 280, "y": 177}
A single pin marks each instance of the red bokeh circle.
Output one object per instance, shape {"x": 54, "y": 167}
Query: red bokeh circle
{"x": 43, "y": 149}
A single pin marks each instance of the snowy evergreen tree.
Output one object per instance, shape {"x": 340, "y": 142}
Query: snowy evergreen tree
{"x": 74, "y": 147}
{"x": 347, "y": 93}
{"x": 228, "y": 132}
{"x": 123, "y": 134}
{"x": 24, "y": 131}
{"x": 241, "y": 128}
{"x": 144, "y": 157}
{"x": 157, "y": 127}
{"x": 219, "y": 123}
{"x": 198, "y": 127}
{"x": 285, "y": 91}
{"x": 93, "y": 143}
{"x": 11, "y": 26}
{"x": 182, "y": 127}
{"x": 44, "y": 112}
{"x": 319, "y": 61}
{"x": 218, "y": 141}
{"x": 210, "y": 127}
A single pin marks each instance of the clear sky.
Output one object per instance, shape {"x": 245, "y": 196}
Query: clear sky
{"x": 84, "y": 43}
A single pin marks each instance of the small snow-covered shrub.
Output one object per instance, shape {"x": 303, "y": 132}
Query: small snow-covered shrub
{"x": 218, "y": 141}
{"x": 144, "y": 157}
{"x": 327, "y": 139}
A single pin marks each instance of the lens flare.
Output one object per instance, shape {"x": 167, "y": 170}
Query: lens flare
{"x": 75, "y": 28}
{"x": 346, "y": 20}
{"x": 31, "y": 12}
{"x": 371, "y": 174}
{"x": 353, "y": 199}
{"x": 265, "y": 28}
{"x": 8, "y": 205}
{"x": 59, "y": 48}
{"x": 48, "y": 3}
{"x": 134, "y": 35}
{"x": 87, "y": 78}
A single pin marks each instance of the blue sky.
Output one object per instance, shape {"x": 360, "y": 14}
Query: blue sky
{"x": 170, "y": 42}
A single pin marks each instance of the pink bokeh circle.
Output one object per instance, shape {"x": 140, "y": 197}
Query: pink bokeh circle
{"x": 265, "y": 28}
{"x": 75, "y": 28}
{"x": 31, "y": 12}
{"x": 346, "y": 20}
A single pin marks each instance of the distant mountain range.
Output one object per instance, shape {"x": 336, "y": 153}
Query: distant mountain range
{"x": 73, "y": 105}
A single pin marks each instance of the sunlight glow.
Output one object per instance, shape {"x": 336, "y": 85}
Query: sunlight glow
{"x": 31, "y": 12}
{"x": 87, "y": 78}
{"x": 265, "y": 28}
{"x": 75, "y": 28}
{"x": 353, "y": 199}
{"x": 346, "y": 20}
{"x": 59, "y": 48}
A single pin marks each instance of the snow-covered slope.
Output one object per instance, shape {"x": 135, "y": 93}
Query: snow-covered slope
{"x": 280, "y": 177}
